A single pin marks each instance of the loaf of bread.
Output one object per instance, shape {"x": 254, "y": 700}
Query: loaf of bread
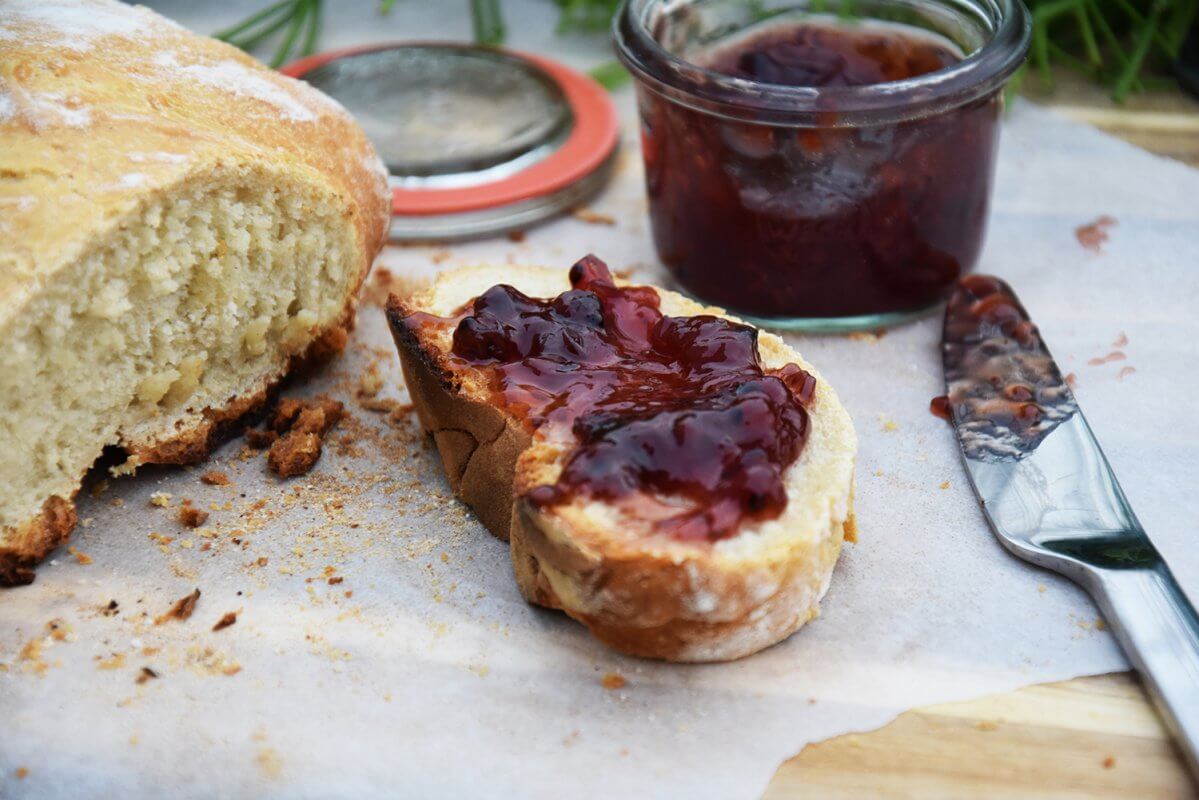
{"x": 642, "y": 592}
{"x": 179, "y": 227}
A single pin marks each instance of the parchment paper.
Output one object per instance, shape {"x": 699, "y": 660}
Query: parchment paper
{"x": 381, "y": 647}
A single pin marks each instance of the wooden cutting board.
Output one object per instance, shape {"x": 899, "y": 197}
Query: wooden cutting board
{"x": 1094, "y": 737}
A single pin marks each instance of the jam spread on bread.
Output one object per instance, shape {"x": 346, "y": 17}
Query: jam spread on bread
{"x": 837, "y": 220}
{"x": 676, "y": 414}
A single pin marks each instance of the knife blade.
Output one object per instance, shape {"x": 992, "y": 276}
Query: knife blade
{"x": 1051, "y": 497}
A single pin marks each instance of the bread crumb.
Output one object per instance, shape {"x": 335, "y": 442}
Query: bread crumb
{"x": 191, "y": 516}
{"x": 986, "y": 725}
{"x": 115, "y": 661}
{"x": 160, "y": 499}
{"x": 303, "y": 425}
{"x": 370, "y": 383}
{"x": 944, "y": 484}
{"x": 215, "y": 478}
{"x": 182, "y": 609}
{"x": 224, "y": 622}
{"x": 1109, "y": 762}
{"x": 516, "y": 236}
{"x": 613, "y": 680}
{"x": 1071, "y": 380}
{"x": 1042, "y": 588}
{"x": 864, "y": 336}
{"x": 80, "y": 556}
{"x": 146, "y": 674}
{"x": 1121, "y": 340}
{"x": 1100, "y": 624}
{"x": 270, "y": 762}
{"x": 592, "y": 217}
{"x": 21, "y": 773}
{"x": 1125, "y": 372}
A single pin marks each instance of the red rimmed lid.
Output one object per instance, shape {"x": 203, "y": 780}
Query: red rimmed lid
{"x": 519, "y": 131}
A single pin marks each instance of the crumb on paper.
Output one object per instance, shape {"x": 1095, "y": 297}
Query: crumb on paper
{"x": 1100, "y": 624}
{"x": 986, "y": 725}
{"x": 592, "y": 217}
{"x": 570, "y": 738}
{"x": 228, "y": 619}
{"x": 182, "y": 609}
{"x": 613, "y": 680}
{"x": 1109, "y": 762}
{"x": 302, "y": 425}
{"x": 59, "y": 630}
{"x": 1120, "y": 341}
{"x": 144, "y": 675}
{"x": 1115, "y": 355}
{"x": 1042, "y": 588}
{"x": 1071, "y": 380}
{"x": 80, "y": 556}
{"x": 516, "y": 236}
{"x": 115, "y": 661}
{"x": 160, "y": 499}
{"x": 1125, "y": 372}
{"x": 945, "y": 484}
{"x": 1092, "y": 235}
{"x": 191, "y": 516}
{"x": 21, "y": 773}
{"x": 215, "y": 478}
{"x": 864, "y": 336}
{"x": 270, "y": 762}
{"x": 370, "y": 383}
{"x": 335, "y": 580}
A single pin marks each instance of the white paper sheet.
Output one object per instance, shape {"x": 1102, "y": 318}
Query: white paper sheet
{"x": 434, "y": 679}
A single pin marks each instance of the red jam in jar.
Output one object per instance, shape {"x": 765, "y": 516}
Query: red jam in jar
{"x": 814, "y": 173}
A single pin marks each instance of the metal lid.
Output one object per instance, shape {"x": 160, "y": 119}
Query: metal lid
{"x": 477, "y": 140}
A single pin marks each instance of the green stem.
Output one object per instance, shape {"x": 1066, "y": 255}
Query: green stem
{"x": 1088, "y": 35}
{"x": 488, "y": 21}
{"x": 251, "y": 21}
{"x": 1139, "y": 51}
{"x": 293, "y": 33}
{"x": 314, "y": 29}
{"x": 258, "y": 37}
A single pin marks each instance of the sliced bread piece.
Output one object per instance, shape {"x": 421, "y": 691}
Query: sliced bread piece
{"x": 641, "y": 591}
{"x": 179, "y": 227}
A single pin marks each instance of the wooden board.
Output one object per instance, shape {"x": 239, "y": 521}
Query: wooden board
{"x": 1087, "y": 738}
{"x": 1094, "y": 737}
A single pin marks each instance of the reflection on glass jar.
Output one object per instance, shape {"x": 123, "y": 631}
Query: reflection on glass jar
{"x": 813, "y": 173}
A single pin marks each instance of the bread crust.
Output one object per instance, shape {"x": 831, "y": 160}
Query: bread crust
{"x": 26, "y": 545}
{"x": 643, "y": 595}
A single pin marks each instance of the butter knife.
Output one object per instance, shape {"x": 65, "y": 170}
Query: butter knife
{"x": 1051, "y": 497}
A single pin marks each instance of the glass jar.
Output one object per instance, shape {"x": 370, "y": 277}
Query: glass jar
{"x": 818, "y": 208}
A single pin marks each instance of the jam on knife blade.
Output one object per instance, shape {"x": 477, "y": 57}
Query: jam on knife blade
{"x": 1005, "y": 392}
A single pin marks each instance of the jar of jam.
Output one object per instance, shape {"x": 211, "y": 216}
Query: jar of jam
{"x": 815, "y": 171}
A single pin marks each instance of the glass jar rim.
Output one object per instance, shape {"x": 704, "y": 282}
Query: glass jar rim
{"x": 979, "y": 74}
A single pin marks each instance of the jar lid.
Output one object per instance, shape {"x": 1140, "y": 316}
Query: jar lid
{"x": 477, "y": 140}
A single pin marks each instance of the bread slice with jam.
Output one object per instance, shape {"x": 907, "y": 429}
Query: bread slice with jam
{"x": 676, "y": 480}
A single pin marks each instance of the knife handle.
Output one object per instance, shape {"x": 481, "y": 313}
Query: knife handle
{"x": 1159, "y": 630}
